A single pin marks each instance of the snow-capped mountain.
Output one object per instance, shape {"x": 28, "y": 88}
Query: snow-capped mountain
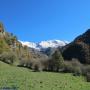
{"x": 45, "y": 44}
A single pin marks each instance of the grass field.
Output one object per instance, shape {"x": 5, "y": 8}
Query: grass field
{"x": 25, "y": 79}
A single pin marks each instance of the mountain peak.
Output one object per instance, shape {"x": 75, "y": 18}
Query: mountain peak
{"x": 88, "y": 31}
{"x": 84, "y": 37}
{"x": 45, "y": 44}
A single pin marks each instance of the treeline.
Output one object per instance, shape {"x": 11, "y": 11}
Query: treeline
{"x": 56, "y": 63}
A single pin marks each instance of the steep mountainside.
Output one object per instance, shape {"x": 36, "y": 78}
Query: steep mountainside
{"x": 79, "y": 48}
{"x": 11, "y": 48}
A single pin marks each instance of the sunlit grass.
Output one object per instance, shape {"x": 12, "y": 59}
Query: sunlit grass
{"x": 25, "y": 79}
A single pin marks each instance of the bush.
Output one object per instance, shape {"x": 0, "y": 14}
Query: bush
{"x": 88, "y": 77}
{"x": 37, "y": 65}
{"x": 8, "y": 57}
{"x": 67, "y": 67}
{"x": 76, "y": 67}
{"x": 85, "y": 69}
{"x": 77, "y": 71}
{"x": 73, "y": 66}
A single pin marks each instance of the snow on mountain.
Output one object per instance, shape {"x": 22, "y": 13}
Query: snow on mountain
{"x": 29, "y": 44}
{"x": 45, "y": 44}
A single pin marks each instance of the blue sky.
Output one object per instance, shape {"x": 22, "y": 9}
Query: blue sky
{"x": 37, "y": 20}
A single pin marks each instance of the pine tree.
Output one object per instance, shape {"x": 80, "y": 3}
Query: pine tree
{"x": 57, "y": 60}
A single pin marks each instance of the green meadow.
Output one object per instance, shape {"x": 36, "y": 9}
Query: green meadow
{"x": 20, "y": 78}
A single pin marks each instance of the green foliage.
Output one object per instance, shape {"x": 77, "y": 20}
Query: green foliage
{"x": 85, "y": 69}
{"x": 88, "y": 77}
{"x": 57, "y": 60}
{"x": 86, "y": 72}
{"x": 25, "y": 79}
{"x": 3, "y": 46}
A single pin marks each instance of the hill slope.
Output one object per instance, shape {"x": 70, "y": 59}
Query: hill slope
{"x": 25, "y": 79}
{"x": 79, "y": 48}
{"x": 12, "y": 50}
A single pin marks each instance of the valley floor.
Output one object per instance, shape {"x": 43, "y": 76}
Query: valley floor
{"x": 25, "y": 79}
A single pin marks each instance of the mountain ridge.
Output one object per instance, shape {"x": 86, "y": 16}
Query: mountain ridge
{"x": 79, "y": 48}
{"x": 45, "y": 44}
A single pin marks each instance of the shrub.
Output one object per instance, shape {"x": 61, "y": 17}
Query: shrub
{"x": 88, "y": 77}
{"x": 73, "y": 66}
{"x": 37, "y": 65}
{"x": 76, "y": 67}
{"x": 8, "y": 57}
{"x": 77, "y": 71}
{"x": 68, "y": 67}
{"x": 85, "y": 69}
